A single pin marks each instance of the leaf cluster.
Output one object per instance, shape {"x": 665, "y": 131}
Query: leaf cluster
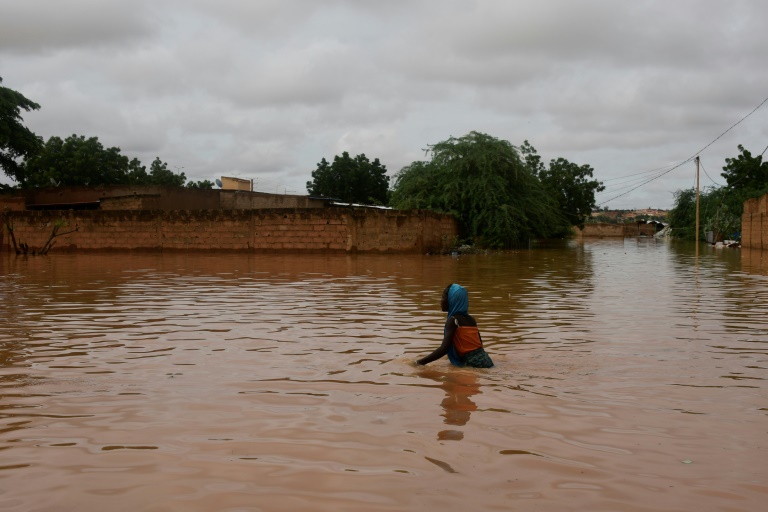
{"x": 572, "y": 188}
{"x": 16, "y": 140}
{"x": 351, "y": 180}
{"x": 746, "y": 175}
{"x": 80, "y": 161}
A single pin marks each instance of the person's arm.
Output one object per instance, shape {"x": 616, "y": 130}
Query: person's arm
{"x": 450, "y": 330}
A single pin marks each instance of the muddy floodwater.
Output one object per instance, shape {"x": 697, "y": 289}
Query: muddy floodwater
{"x": 630, "y": 376}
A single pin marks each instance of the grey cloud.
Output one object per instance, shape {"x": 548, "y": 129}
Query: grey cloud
{"x": 35, "y": 25}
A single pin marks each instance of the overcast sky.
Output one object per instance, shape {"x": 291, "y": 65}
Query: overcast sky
{"x": 264, "y": 89}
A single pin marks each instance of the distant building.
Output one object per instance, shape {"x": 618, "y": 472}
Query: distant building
{"x": 630, "y": 214}
{"x": 228, "y": 183}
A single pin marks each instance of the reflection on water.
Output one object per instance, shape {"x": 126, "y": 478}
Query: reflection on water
{"x": 629, "y": 376}
{"x": 459, "y": 386}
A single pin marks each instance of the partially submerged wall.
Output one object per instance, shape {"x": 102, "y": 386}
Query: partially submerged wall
{"x": 606, "y": 230}
{"x": 600, "y": 230}
{"x": 311, "y": 229}
{"x": 754, "y": 223}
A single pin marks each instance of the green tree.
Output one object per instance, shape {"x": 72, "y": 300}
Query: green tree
{"x": 682, "y": 216}
{"x": 571, "y": 187}
{"x": 496, "y": 197}
{"x": 137, "y": 173}
{"x": 719, "y": 212}
{"x": 16, "y": 140}
{"x": 569, "y": 184}
{"x": 159, "y": 174}
{"x": 747, "y": 175}
{"x": 351, "y": 180}
{"x": 76, "y": 161}
{"x": 200, "y": 185}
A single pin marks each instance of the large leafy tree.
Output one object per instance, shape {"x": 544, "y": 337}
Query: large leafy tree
{"x": 572, "y": 188}
{"x": 16, "y": 140}
{"x": 746, "y": 174}
{"x": 80, "y": 161}
{"x": 682, "y": 216}
{"x": 76, "y": 161}
{"x": 351, "y": 180}
{"x": 159, "y": 174}
{"x": 567, "y": 183}
{"x": 496, "y": 196}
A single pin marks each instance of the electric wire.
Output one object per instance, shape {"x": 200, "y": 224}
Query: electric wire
{"x": 708, "y": 176}
{"x": 659, "y": 175}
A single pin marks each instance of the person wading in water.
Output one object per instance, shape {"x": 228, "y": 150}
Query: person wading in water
{"x": 461, "y": 338}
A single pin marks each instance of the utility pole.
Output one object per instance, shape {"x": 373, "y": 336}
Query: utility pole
{"x": 697, "y": 207}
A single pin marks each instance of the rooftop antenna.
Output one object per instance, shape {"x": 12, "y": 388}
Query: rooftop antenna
{"x": 218, "y": 182}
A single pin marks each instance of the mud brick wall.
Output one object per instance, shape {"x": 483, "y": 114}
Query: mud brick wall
{"x": 12, "y": 203}
{"x": 311, "y": 229}
{"x": 145, "y": 202}
{"x": 600, "y": 230}
{"x": 605, "y": 230}
{"x": 391, "y": 230}
{"x": 235, "y": 200}
{"x": 754, "y": 223}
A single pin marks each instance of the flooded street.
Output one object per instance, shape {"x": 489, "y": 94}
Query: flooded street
{"x": 629, "y": 376}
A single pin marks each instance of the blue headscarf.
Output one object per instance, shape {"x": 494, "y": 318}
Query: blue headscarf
{"x": 458, "y": 304}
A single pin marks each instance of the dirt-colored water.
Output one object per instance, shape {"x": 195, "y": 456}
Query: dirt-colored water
{"x": 629, "y": 377}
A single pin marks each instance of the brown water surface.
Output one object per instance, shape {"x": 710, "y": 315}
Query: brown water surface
{"x": 629, "y": 377}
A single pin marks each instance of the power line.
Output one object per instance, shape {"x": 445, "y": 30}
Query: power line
{"x": 691, "y": 157}
{"x": 646, "y": 181}
{"x": 638, "y": 173}
{"x": 708, "y": 176}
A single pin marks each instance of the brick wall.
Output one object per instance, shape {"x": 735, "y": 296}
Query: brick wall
{"x": 600, "y": 230}
{"x": 754, "y": 223}
{"x": 606, "y": 230}
{"x": 13, "y": 203}
{"x": 143, "y": 202}
{"x": 311, "y": 229}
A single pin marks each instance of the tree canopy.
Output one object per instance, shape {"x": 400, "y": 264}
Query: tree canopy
{"x": 498, "y": 197}
{"x": 351, "y": 180}
{"x": 80, "y": 161}
{"x": 159, "y": 174}
{"x": 571, "y": 187}
{"x": 200, "y": 185}
{"x": 16, "y": 140}
{"x": 76, "y": 161}
{"x": 746, "y": 174}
